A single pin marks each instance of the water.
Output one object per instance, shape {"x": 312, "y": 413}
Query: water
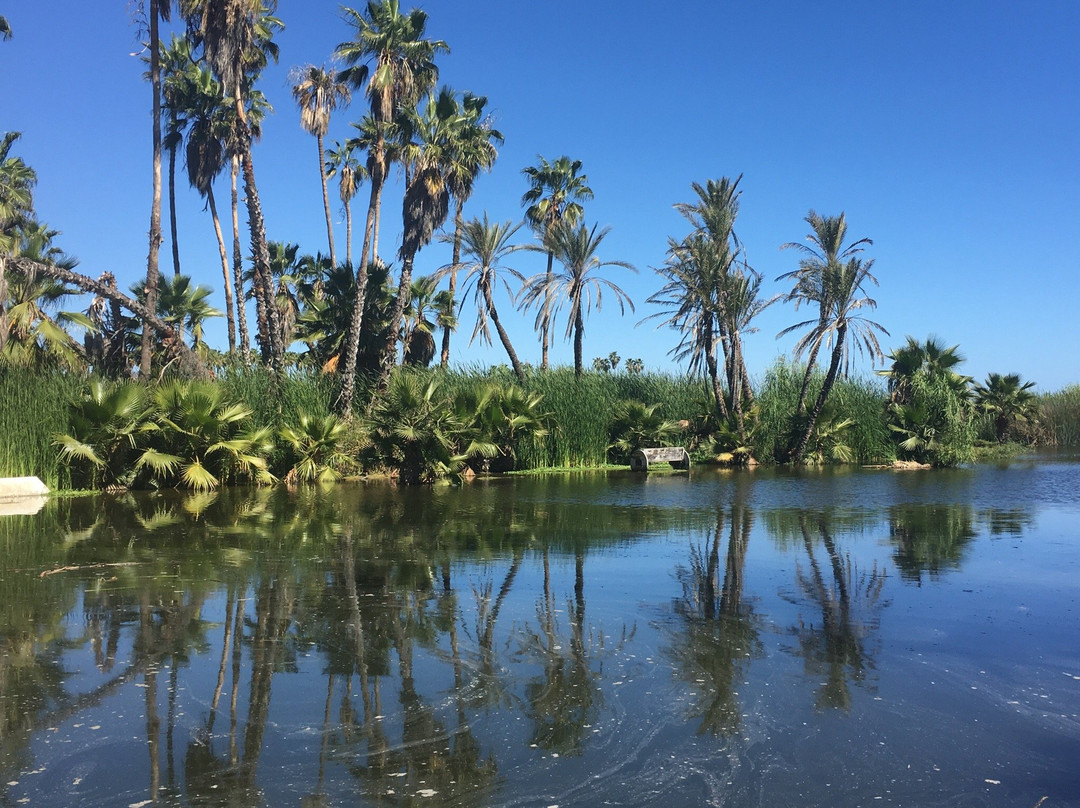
{"x": 735, "y": 639}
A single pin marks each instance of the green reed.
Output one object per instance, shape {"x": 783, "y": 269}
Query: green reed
{"x": 1059, "y": 416}
{"x": 33, "y": 409}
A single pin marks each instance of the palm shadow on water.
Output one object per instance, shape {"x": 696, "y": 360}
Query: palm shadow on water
{"x": 719, "y": 633}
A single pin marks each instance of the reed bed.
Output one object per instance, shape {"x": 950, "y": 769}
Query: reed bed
{"x": 34, "y": 408}
{"x": 1059, "y": 416}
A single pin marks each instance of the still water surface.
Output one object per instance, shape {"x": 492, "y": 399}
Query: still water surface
{"x": 761, "y": 638}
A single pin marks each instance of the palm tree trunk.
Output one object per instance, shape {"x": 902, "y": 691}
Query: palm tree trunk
{"x": 152, "y": 273}
{"x": 826, "y": 387}
{"x": 579, "y": 333}
{"x": 238, "y": 264}
{"x": 514, "y": 363}
{"x": 172, "y": 211}
{"x": 459, "y": 223}
{"x": 3, "y": 301}
{"x": 356, "y": 322}
{"x": 326, "y": 201}
{"x": 389, "y": 358}
{"x": 271, "y": 337}
{"x": 348, "y": 232}
{"x": 224, "y": 269}
{"x": 545, "y": 321}
{"x": 800, "y": 407}
{"x": 714, "y": 376}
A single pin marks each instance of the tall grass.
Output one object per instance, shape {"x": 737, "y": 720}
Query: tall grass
{"x": 34, "y": 408}
{"x": 302, "y": 391}
{"x": 1059, "y": 416}
{"x": 861, "y": 400}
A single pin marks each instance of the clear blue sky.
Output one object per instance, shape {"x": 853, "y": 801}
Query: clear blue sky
{"x": 948, "y": 132}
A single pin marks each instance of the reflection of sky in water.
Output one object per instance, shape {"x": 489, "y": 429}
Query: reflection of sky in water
{"x": 771, "y": 638}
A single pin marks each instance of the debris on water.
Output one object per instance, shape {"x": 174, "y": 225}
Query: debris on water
{"x": 993, "y": 782}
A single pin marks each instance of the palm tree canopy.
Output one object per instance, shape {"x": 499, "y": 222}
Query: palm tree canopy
{"x": 554, "y": 192}
{"x": 317, "y": 91}
{"x": 575, "y": 247}
{"x": 390, "y": 56}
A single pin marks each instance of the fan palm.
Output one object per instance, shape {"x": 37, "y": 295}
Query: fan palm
{"x": 107, "y": 425}
{"x": 235, "y": 37}
{"x": 342, "y": 162}
{"x": 419, "y": 336}
{"x": 315, "y": 443}
{"x": 176, "y": 64}
{"x": 930, "y": 358}
{"x": 318, "y": 92}
{"x": 209, "y": 126}
{"x": 17, "y": 182}
{"x": 389, "y": 55}
{"x": 427, "y": 198}
{"x": 487, "y": 245}
{"x": 575, "y": 247}
{"x": 183, "y": 305}
{"x": 555, "y": 195}
{"x": 1006, "y": 399}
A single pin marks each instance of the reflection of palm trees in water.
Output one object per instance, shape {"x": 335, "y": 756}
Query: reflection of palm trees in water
{"x": 836, "y": 646}
{"x": 565, "y": 700}
{"x": 720, "y": 633}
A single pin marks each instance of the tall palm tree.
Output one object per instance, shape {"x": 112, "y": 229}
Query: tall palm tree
{"x": 486, "y": 245}
{"x": 427, "y": 199}
{"x": 341, "y": 162}
{"x": 1006, "y": 400}
{"x": 555, "y": 195}
{"x": 575, "y": 247}
{"x": 824, "y": 251}
{"x": 233, "y": 33}
{"x": 318, "y": 92}
{"x": 210, "y": 124}
{"x": 5, "y": 28}
{"x": 177, "y": 64}
{"x": 473, "y": 151}
{"x": 258, "y": 108}
{"x": 841, "y": 289}
{"x": 158, "y": 10}
{"x": 393, "y": 44}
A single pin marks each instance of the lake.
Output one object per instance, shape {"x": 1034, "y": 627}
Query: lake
{"x": 749, "y": 638}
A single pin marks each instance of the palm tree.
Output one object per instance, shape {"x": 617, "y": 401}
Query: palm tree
{"x": 31, "y": 335}
{"x": 341, "y": 162}
{"x": 419, "y": 337}
{"x": 258, "y": 109}
{"x": 473, "y": 152}
{"x": 210, "y": 124}
{"x": 177, "y": 64}
{"x": 487, "y": 245}
{"x": 17, "y": 182}
{"x": 183, "y": 305}
{"x": 394, "y": 45}
{"x": 318, "y": 92}
{"x": 576, "y": 248}
{"x": 1006, "y": 400}
{"x": 840, "y": 286}
{"x": 158, "y": 11}
{"x": 824, "y": 252}
{"x": 234, "y": 34}
{"x": 930, "y": 358}
{"x": 427, "y": 199}
{"x": 554, "y": 195}
{"x": 5, "y": 29}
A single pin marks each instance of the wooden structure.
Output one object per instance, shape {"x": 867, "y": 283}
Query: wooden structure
{"x": 677, "y": 456}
